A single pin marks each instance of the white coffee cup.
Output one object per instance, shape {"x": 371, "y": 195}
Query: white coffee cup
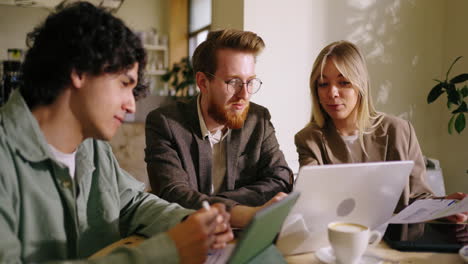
{"x": 349, "y": 241}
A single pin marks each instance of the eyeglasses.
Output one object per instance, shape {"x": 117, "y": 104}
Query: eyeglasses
{"x": 235, "y": 85}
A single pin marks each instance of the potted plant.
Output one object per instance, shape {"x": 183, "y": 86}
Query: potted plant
{"x": 181, "y": 79}
{"x": 455, "y": 98}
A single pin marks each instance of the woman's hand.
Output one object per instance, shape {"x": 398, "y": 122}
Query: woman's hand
{"x": 460, "y": 217}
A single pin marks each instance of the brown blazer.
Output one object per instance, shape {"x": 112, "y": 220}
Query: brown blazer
{"x": 179, "y": 160}
{"x": 394, "y": 139}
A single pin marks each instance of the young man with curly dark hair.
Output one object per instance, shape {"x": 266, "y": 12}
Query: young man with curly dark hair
{"x": 63, "y": 195}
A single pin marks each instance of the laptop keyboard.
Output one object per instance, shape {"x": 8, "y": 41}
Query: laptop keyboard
{"x": 218, "y": 256}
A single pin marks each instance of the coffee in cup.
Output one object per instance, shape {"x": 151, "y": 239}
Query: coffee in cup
{"x": 350, "y": 240}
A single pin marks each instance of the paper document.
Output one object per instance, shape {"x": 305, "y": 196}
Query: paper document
{"x": 429, "y": 209}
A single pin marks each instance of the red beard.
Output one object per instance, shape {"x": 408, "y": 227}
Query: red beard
{"x": 231, "y": 119}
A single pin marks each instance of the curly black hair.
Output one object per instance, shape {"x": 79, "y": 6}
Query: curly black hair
{"x": 79, "y": 37}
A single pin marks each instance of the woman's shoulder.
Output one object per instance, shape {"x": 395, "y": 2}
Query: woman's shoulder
{"x": 394, "y": 123}
{"x": 311, "y": 130}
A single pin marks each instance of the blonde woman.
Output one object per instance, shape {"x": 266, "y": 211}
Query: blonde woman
{"x": 346, "y": 128}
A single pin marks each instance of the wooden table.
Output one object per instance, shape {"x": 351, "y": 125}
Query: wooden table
{"x": 381, "y": 250}
{"x": 392, "y": 255}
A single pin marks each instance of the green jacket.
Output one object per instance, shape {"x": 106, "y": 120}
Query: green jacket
{"x": 47, "y": 216}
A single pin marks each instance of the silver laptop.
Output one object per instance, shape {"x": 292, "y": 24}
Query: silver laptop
{"x": 365, "y": 193}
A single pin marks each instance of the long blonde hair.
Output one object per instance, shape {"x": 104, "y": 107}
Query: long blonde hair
{"x": 352, "y": 65}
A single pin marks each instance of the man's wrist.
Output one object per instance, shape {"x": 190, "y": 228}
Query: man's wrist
{"x": 241, "y": 215}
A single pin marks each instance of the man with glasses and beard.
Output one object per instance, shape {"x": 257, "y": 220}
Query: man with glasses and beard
{"x": 219, "y": 146}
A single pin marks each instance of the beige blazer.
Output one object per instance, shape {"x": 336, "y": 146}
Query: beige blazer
{"x": 393, "y": 139}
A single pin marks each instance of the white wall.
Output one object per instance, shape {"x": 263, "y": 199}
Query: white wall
{"x": 15, "y": 23}
{"x": 291, "y": 34}
{"x": 142, "y": 15}
{"x": 227, "y": 14}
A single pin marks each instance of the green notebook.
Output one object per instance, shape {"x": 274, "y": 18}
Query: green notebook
{"x": 255, "y": 244}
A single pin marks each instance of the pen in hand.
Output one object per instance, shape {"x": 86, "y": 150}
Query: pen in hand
{"x": 206, "y": 205}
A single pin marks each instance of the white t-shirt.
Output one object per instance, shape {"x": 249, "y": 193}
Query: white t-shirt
{"x": 354, "y": 147}
{"x": 66, "y": 159}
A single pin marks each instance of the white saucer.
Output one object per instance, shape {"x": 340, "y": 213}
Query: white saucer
{"x": 326, "y": 255}
{"x": 464, "y": 253}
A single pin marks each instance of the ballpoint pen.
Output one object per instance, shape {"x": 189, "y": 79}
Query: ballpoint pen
{"x": 206, "y": 205}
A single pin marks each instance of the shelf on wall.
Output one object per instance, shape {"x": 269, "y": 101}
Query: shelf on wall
{"x": 156, "y": 72}
{"x": 156, "y": 67}
{"x": 155, "y": 47}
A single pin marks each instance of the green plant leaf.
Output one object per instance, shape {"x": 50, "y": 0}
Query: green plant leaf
{"x": 179, "y": 86}
{"x": 450, "y": 86}
{"x": 450, "y": 124}
{"x": 180, "y": 77}
{"x": 175, "y": 81}
{"x": 462, "y": 108}
{"x": 452, "y": 94}
{"x": 464, "y": 91}
{"x": 453, "y": 63}
{"x": 460, "y": 78}
{"x": 165, "y": 77}
{"x": 435, "y": 93}
{"x": 460, "y": 123}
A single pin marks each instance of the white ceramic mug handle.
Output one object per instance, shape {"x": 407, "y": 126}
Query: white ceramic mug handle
{"x": 374, "y": 237}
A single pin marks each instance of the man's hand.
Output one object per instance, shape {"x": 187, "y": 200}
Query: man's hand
{"x": 194, "y": 236}
{"x": 461, "y": 217}
{"x": 241, "y": 214}
{"x": 278, "y": 197}
{"x": 223, "y": 230}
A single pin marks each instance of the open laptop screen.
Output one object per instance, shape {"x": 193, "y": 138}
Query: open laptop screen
{"x": 364, "y": 193}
